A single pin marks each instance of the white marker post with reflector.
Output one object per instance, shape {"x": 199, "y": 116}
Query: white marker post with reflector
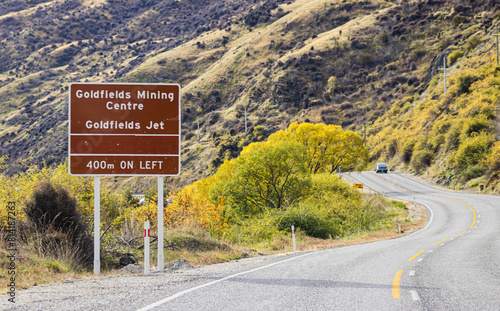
{"x": 293, "y": 239}
{"x": 146, "y": 247}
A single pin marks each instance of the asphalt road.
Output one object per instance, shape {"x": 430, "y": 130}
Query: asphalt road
{"x": 452, "y": 263}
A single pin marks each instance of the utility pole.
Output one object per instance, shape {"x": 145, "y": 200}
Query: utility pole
{"x": 496, "y": 35}
{"x": 444, "y": 73}
{"x": 364, "y": 139}
{"x": 246, "y": 119}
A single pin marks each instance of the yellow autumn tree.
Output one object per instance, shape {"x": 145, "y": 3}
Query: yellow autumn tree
{"x": 267, "y": 175}
{"x": 191, "y": 207}
{"x": 328, "y": 146}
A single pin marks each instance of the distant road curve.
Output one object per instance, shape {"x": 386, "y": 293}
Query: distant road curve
{"x": 452, "y": 263}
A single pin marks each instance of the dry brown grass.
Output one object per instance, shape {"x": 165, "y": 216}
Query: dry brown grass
{"x": 256, "y": 43}
{"x": 33, "y": 270}
{"x": 30, "y": 10}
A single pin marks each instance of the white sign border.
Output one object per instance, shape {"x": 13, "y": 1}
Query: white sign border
{"x": 116, "y": 84}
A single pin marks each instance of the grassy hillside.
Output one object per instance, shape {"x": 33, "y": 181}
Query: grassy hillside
{"x": 340, "y": 62}
{"x": 453, "y": 136}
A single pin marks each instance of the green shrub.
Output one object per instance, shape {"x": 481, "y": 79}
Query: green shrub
{"x": 474, "y": 171}
{"x": 310, "y": 220}
{"x": 422, "y": 159}
{"x": 493, "y": 160}
{"x": 332, "y": 84}
{"x": 457, "y": 20}
{"x": 437, "y": 142}
{"x": 53, "y": 214}
{"x": 474, "y": 126}
{"x": 326, "y": 184}
{"x": 464, "y": 82}
{"x": 454, "y": 56}
{"x": 473, "y": 150}
{"x": 407, "y": 151}
{"x": 472, "y": 42}
{"x": 398, "y": 204}
{"x": 254, "y": 230}
{"x": 383, "y": 38}
{"x": 452, "y": 138}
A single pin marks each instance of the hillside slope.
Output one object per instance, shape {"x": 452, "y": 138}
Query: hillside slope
{"x": 451, "y": 136}
{"x": 338, "y": 62}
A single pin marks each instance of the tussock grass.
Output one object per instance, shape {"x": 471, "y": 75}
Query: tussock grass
{"x": 34, "y": 268}
{"x": 198, "y": 247}
{"x": 409, "y": 224}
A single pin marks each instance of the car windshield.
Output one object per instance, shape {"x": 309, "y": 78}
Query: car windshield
{"x": 381, "y": 165}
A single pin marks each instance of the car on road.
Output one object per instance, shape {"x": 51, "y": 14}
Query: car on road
{"x": 381, "y": 168}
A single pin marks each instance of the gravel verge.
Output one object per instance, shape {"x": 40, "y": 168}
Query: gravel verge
{"x": 124, "y": 292}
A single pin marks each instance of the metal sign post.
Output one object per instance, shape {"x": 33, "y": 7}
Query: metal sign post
{"x": 160, "y": 264}
{"x": 97, "y": 225}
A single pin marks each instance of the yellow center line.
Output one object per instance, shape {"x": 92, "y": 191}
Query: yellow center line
{"x": 395, "y": 285}
{"x": 411, "y": 259}
{"x": 473, "y": 211}
{"x": 397, "y": 278}
{"x": 461, "y": 233}
{"x": 440, "y": 242}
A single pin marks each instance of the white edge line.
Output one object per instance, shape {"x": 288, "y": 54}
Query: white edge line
{"x": 167, "y": 299}
{"x": 429, "y": 221}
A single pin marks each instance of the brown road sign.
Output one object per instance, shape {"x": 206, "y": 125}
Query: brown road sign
{"x": 124, "y": 129}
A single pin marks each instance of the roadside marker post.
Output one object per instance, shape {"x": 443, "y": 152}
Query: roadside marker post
{"x": 146, "y": 247}
{"x": 399, "y": 226}
{"x": 293, "y": 239}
